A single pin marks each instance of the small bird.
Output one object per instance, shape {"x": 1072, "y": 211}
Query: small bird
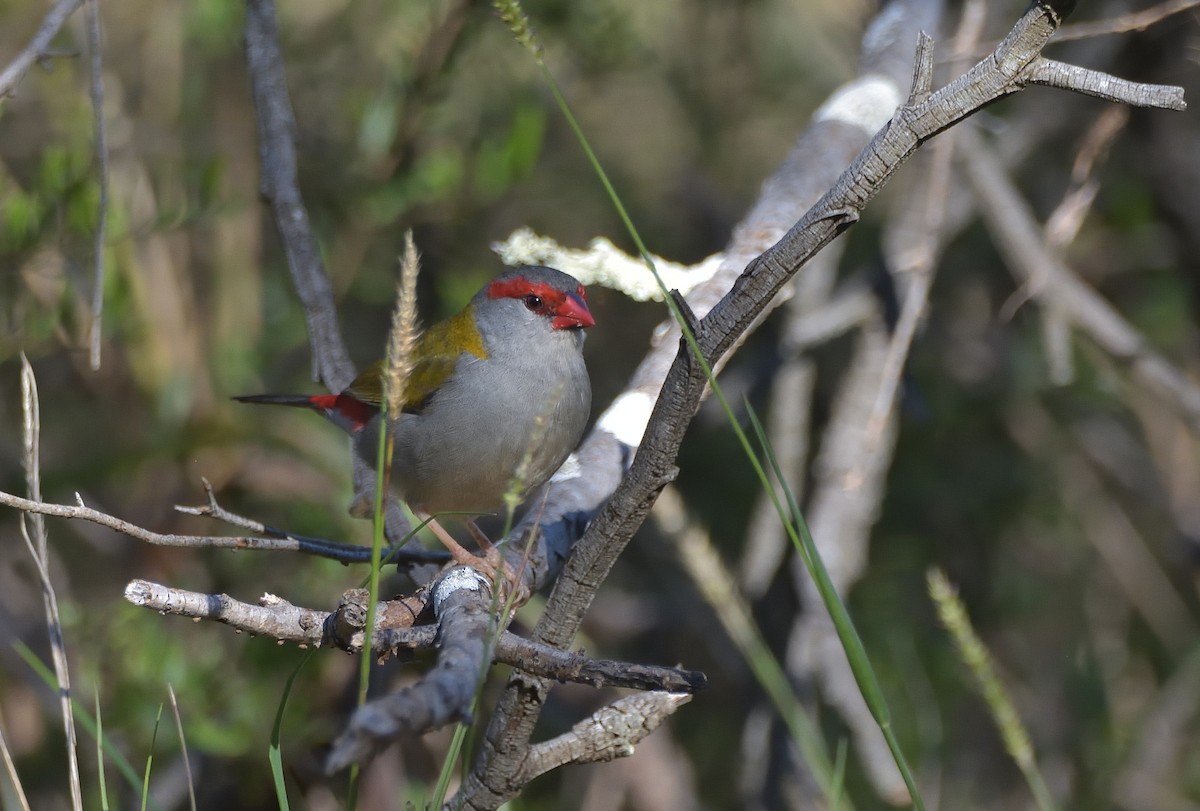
{"x": 496, "y": 401}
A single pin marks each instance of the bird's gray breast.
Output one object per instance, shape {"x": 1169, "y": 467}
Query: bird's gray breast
{"x": 499, "y": 424}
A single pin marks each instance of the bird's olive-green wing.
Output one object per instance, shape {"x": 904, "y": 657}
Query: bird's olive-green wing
{"x": 438, "y": 350}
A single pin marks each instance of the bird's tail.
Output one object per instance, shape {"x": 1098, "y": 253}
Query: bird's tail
{"x": 315, "y": 402}
{"x": 344, "y": 410}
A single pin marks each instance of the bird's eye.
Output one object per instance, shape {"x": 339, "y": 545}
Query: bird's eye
{"x": 533, "y": 302}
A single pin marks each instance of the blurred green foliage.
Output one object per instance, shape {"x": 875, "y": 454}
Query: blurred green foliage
{"x": 424, "y": 115}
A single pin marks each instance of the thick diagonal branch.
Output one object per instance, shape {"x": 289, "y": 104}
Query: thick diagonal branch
{"x": 1002, "y": 73}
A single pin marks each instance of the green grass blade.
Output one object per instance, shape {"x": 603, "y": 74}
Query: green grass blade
{"x": 274, "y": 755}
{"x": 150, "y": 758}
{"x": 100, "y": 755}
{"x": 81, "y": 715}
{"x": 856, "y": 652}
{"x": 709, "y": 573}
{"x": 382, "y": 460}
{"x": 860, "y": 663}
{"x": 820, "y": 766}
{"x": 456, "y": 745}
{"x": 839, "y": 776}
{"x": 401, "y": 345}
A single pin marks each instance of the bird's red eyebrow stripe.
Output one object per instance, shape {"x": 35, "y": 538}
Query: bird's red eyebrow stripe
{"x": 518, "y": 288}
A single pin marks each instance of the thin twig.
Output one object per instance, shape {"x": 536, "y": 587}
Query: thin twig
{"x": 1134, "y": 21}
{"x": 1062, "y": 226}
{"x": 37, "y": 543}
{"x": 101, "y": 153}
{"x": 10, "y": 769}
{"x": 183, "y": 750}
{"x": 281, "y": 542}
{"x": 336, "y": 550}
{"x": 38, "y": 46}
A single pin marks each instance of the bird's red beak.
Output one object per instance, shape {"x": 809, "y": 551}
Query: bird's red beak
{"x": 573, "y": 313}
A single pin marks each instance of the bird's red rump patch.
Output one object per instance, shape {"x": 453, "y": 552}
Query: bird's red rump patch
{"x": 345, "y": 410}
